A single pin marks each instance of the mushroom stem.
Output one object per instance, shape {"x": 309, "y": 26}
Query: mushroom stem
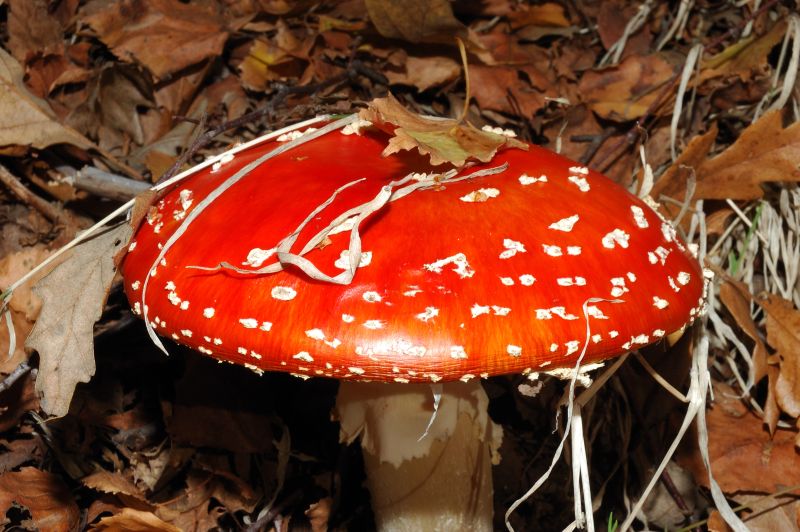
{"x": 427, "y": 468}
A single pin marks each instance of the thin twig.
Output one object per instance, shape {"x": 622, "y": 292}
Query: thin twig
{"x": 19, "y": 190}
{"x": 14, "y": 376}
{"x": 108, "y": 185}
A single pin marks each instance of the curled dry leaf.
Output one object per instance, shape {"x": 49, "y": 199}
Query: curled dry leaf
{"x": 744, "y": 58}
{"x": 28, "y": 120}
{"x": 547, "y": 14}
{"x": 47, "y": 499}
{"x": 32, "y": 29}
{"x": 674, "y": 180}
{"x": 163, "y": 35}
{"x": 73, "y": 296}
{"x": 501, "y": 88}
{"x": 626, "y": 91}
{"x": 426, "y": 72}
{"x": 736, "y": 296}
{"x": 764, "y": 152}
{"x": 415, "y": 20}
{"x": 113, "y": 483}
{"x": 783, "y": 335}
{"x": 130, "y": 520}
{"x": 743, "y": 455}
{"x": 444, "y": 140}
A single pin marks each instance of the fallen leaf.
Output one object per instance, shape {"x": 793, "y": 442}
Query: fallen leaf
{"x": 612, "y": 23}
{"x": 416, "y": 20}
{"x": 743, "y": 455}
{"x": 227, "y": 95}
{"x": 319, "y": 514}
{"x": 27, "y": 120}
{"x": 15, "y": 265}
{"x": 226, "y": 484}
{"x": 121, "y": 92}
{"x": 716, "y": 523}
{"x": 768, "y": 514}
{"x": 15, "y": 453}
{"x": 672, "y": 182}
{"x": 113, "y": 483}
{"x": 745, "y": 58}
{"x": 783, "y": 335}
{"x": 327, "y": 23}
{"x": 426, "y": 72}
{"x": 176, "y": 97}
{"x": 736, "y": 296}
{"x": 445, "y": 141}
{"x": 17, "y": 401}
{"x": 48, "y": 72}
{"x": 149, "y": 467}
{"x": 165, "y": 36}
{"x": 47, "y": 499}
{"x": 626, "y": 91}
{"x": 31, "y": 29}
{"x": 73, "y": 296}
{"x": 264, "y": 62}
{"x": 502, "y": 88}
{"x": 547, "y": 14}
{"x": 191, "y": 511}
{"x": 764, "y": 152}
{"x": 499, "y": 47}
{"x": 130, "y": 520}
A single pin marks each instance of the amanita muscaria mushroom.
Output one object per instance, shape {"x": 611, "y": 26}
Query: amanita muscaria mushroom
{"x": 421, "y": 277}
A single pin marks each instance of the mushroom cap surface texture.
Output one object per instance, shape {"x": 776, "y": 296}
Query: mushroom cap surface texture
{"x": 517, "y": 271}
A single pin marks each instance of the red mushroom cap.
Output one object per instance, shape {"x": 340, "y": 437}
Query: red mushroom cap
{"x": 518, "y": 270}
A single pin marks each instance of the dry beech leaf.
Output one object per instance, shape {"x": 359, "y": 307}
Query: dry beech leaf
{"x": 130, "y": 520}
{"x": 415, "y": 20}
{"x": 47, "y": 499}
{"x": 745, "y": 57}
{"x": 165, "y": 36}
{"x": 547, "y": 14}
{"x": 500, "y": 88}
{"x": 783, "y": 334}
{"x": 445, "y": 141}
{"x": 32, "y": 29}
{"x": 672, "y": 182}
{"x": 716, "y": 523}
{"x": 114, "y": 483}
{"x": 266, "y": 61}
{"x": 120, "y": 92}
{"x": 626, "y": 91}
{"x": 743, "y": 455}
{"x": 771, "y": 514}
{"x": 426, "y": 72}
{"x": 73, "y": 296}
{"x": 28, "y": 120}
{"x": 764, "y": 152}
{"x": 736, "y": 296}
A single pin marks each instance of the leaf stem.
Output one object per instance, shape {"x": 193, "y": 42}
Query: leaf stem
{"x": 467, "y": 90}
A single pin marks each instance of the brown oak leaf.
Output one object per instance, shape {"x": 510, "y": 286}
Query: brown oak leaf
{"x": 444, "y": 140}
